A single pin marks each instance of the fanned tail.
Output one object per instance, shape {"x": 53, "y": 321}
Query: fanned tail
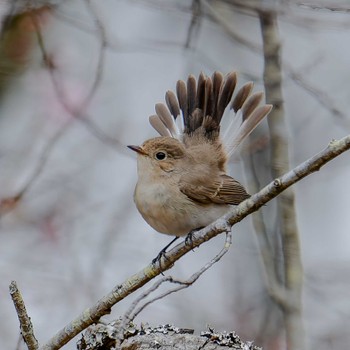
{"x": 202, "y": 105}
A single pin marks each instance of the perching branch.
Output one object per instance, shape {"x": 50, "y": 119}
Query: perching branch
{"x": 238, "y": 213}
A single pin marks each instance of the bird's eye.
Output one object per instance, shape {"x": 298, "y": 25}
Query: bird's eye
{"x": 160, "y": 155}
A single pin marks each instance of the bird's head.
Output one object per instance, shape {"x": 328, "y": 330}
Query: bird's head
{"x": 159, "y": 155}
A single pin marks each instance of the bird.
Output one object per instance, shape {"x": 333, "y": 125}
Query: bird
{"x": 183, "y": 183}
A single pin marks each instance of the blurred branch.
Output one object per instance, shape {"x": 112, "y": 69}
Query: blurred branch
{"x": 252, "y": 204}
{"x": 322, "y": 97}
{"x": 24, "y": 320}
{"x": 266, "y": 248}
{"x": 217, "y": 17}
{"x": 102, "y": 54}
{"x": 16, "y": 43}
{"x": 8, "y": 204}
{"x": 75, "y": 112}
{"x": 195, "y": 22}
{"x": 78, "y": 113}
{"x": 293, "y": 271}
{"x": 333, "y": 6}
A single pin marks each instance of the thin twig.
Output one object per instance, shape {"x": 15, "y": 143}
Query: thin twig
{"x": 129, "y": 316}
{"x": 195, "y": 22}
{"x": 80, "y": 112}
{"x": 236, "y": 37}
{"x": 238, "y": 213}
{"x": 101, "y": 58}
{"x": 321, "y": 97}
{"x": 24, "y": 320}
{"x": 325, "y": 5}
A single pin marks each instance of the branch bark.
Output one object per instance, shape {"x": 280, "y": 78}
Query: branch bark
{"x": 162, "y": 337}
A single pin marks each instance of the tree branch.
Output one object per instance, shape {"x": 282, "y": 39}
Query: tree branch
{"x": 292, "y": 280}
{"x": 24, "y": 320}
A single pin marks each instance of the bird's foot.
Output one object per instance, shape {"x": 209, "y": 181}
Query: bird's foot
{"x": 162, "y": 252}
{"x": 159, "y": 256}
{"x": 189, "y": 237}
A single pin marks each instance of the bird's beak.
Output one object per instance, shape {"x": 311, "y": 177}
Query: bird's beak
{"x": 137, "y": 149}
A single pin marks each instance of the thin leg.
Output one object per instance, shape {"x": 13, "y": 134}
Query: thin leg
{"x": 163, "y": 251}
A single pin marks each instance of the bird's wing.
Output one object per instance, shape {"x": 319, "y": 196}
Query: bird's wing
{"x": 221, "y": 190}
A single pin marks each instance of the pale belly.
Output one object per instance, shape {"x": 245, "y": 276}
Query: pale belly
{"x": 174, "y": 213}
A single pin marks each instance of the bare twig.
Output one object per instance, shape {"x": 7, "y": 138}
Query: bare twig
{"x": 74, "y": 111}
{"x": 102, "y": 55}
{"x": 131, "y": 314}
{"x": 236, "y": 37}
{"x": 331, "y": 5}
{"x": 79, "y": 112}
{"x": 195, "y": 22}
{"x": 103, "y": 306}
{"x": 9, "y": 204}
{"x": 321, "y": 96}
{"x": 24, "y": 320}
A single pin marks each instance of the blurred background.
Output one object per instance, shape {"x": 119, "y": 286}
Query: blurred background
{"x": 78, "y": 80}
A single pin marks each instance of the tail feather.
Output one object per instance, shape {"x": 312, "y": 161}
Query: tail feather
{"x": 191, "y": 96}
{"x": 181, "y": 91}
{"x": 251, "y": 103}
{"x": 234, "y": 140}
{"x": 159, "y": 126}
{"x": 202, "y": 104}
{"x": 208, "y": 102}
{"x": 165, "y": 116}
{"x": 172, "y": 103}
{"x": 225, "y": 95}
{"x": 241, "y": 96}
{"x": 217, "y": 79}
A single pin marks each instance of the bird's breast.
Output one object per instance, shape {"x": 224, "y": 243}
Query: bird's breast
{"x": 171, "y": 212}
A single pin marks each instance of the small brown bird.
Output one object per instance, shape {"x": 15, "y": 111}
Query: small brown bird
{"x": 182, "y": 182}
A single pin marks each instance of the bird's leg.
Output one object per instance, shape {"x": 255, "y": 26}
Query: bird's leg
{"x": 163, "y": 251}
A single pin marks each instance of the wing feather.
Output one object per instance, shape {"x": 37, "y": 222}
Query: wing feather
{"x": 222, "y": 190}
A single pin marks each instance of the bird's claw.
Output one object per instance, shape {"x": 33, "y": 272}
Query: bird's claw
{"x": 160, "y": 255}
